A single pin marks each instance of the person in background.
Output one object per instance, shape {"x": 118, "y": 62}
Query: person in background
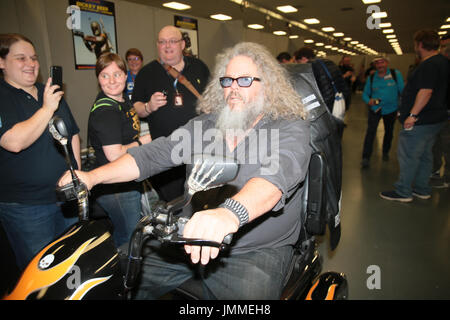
{"x": 284, "y": 57}
{"x": 135, "y": 60}
{"x": 348, "y": 72}
{"x": 30, "y": 159}
{"x": 167, "y": 104}
{"x": 441, "y": 148}
{"x": 423, "y": 113}
{"x": 113, "y": 128}
{"x": 381, "y": 93}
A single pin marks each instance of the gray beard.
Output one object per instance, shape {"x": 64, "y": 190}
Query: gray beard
{"x": 238, "y": 122}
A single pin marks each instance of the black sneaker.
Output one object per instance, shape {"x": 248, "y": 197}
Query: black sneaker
{"x": 394, "y": 196}
{"x": 421, "y": 196}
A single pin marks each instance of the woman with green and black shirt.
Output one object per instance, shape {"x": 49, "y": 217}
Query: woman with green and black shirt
{"x": 113, "y": 128}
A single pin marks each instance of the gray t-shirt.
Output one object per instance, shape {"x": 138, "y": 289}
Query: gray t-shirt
{"x": 275, "y": 150}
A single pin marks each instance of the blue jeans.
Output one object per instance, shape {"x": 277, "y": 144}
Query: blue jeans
{"x": 30, "y": 228}
{"x": 415, "y": 158}
{"x": 124, "y": 210}
{"x": 255, "y": 275}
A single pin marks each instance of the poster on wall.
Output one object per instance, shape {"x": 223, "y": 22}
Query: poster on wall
{"x": 96, "y": 32}
{"x": 189, "y": 30}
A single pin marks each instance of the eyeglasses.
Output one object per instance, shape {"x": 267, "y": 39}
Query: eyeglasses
{"x": 171, "y": 42}
{"x": 244, "y": 82}
{"x": 115, "y": 75}
{"x": 133, "y": 58}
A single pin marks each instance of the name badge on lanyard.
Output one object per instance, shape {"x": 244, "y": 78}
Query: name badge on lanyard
{"x": 178, "y": 98}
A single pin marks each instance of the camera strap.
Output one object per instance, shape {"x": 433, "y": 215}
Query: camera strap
{"x": 182, "y": 79}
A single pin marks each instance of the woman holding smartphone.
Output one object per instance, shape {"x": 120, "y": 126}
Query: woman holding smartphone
{"x": 30, "y": 160}
{"x": 113, "y": 128}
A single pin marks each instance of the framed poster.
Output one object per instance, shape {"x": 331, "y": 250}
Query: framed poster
{"x": 189, "y": 30}
{"x": 96, "y": 32}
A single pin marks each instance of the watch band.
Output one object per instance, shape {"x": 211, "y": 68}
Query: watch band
{"x": 238, "y": 209}
{"x": 138, "y": 141}
{"x": 412, "y": 115}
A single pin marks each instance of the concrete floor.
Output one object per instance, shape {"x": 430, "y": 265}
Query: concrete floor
{"x": 401, "y": 250}
{"x": 408, "y": 243}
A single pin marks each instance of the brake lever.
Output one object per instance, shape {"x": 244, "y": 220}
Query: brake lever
{"x": 200, "y": 242}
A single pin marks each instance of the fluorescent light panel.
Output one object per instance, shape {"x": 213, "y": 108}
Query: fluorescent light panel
{"x": 309, "y": 41}
{"x": 255, "y": 26}
{"x": 445, "y": 26}
{"x": 287, "y": 9}
{"x": 328, "y": 29}
{"x": 378, "y": 15}
{"x": 221, "y": 17}
{"x": 311, "y": 21}
{"x": 338, "y": 34}
{"x": 385, "y": 25}
{"x": 279, "y": 33}
{"x": 176, "y": 5}
{"x": 388, "y": 31}
{"x": 370, "y": 1}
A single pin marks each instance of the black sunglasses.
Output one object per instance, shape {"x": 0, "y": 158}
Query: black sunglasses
{"x": 244, "y": 82}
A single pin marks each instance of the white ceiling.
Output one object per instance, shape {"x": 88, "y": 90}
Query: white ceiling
{"x": 347, "y": 16}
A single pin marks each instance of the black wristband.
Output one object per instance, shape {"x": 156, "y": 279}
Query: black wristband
{"x": 238, "y": 209}
{"x": 412, "y": 115}
{"x": 139, "y": 142}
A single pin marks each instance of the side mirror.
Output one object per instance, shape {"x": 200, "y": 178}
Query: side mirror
{"x": 206, "y": 172}
{"x": 209, "y": 172}
{"x": 58, "y": 130}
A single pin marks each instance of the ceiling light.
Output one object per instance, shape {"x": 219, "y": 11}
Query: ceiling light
{"x": 338, "y": 34}
{"x": 287, "y": 9}
{"x": 391, "y": 36}
{"x": 370, "y": 1}
{"x": 328, "y": 29}
{"x": 294, "y": 36}
{"x": 328, "y": 46}
{"x": 448, "y": 19}
{"x": 309, "y": 41}
{"x": 347, "y": 39}
{"x": 334, "y": 48}
{"x": 176, "y": 5}
{"x": 255, "y": 26}
{"x": 441, "y": 33}
{"x": 354, "y": 42}
{"x": 445, "y": 26}
{"x": 279, "y": 33}
{"x": 393, "y": 40}
{"x": 378, "y": 15}
{"x": 221, "y": 17}
{"x": 311, "y": 21}
{"x": 319, "y": 44}
{"x": 385, "y": 25}
{"x": 388, "y": 31}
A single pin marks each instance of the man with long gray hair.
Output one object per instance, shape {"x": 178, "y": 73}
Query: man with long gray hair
{"x": 250, "y": 112}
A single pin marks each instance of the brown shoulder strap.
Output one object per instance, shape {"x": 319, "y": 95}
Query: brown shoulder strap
{"x": 177, "y": 75}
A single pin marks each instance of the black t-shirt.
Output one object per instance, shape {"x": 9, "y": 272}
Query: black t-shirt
{"x": 111, "y": 122}
{"x": 432, "y": 73}
{"x": 30, "y": 176}
{"x": 154, "y": 78}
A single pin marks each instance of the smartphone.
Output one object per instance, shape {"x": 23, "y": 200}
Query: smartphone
{"x": 56, "y": 75}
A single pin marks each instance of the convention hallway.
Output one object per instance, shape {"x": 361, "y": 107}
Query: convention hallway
{"x": 388, "y": 250}
{"x": 400, "y": 250}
